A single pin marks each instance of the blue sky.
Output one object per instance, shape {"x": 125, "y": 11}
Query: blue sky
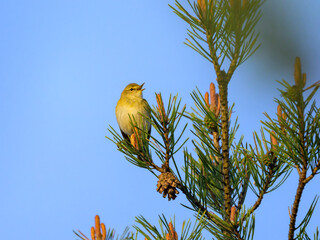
{"x": 63, "y": 66}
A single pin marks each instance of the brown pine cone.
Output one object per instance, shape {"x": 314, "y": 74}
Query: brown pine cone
{"x": 167, "y": 184}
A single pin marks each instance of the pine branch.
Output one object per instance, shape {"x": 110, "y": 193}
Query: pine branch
{"x": 235, "y": 6}
{"x": 242, "y": 195}
{"x": 295, "y": 207}
{"x": 261, "y": 193}
{"x": 307, "y": 131}
{"x": 223, "y": 91}
{"x": 314, "y": 172}
{"x": 214, "y": 58}
{"x": 165, "y": 123}
{"x": 303, "y": 172}
{"x": 195, "y": 202}
{"x": 210, "y": 216}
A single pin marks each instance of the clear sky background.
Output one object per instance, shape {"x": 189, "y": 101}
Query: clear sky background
{"x": 63, "y": 66}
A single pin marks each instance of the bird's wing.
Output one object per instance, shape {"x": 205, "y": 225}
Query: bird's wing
{"x": 125, "y": 136}
{"x": 148, "y": 108}
{"x": 149, "y": 133}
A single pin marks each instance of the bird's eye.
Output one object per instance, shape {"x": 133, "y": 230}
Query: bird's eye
{"x": 131, "y": 89}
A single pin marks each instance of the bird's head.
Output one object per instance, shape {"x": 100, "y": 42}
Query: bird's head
{"x": 133, "y": 90}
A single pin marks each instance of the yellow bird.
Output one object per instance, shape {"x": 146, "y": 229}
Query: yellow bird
{"x": 132, "y": 103}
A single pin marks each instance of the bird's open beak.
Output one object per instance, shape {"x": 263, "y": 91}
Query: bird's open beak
{"x": 140, "y": 87}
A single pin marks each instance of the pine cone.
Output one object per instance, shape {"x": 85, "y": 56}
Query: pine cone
{"x": 167, "y": 184}
{"x": 270, "y": 160}
{"x": 209, "y": 124}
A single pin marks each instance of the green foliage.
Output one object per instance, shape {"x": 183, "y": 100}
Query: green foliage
{"x": 304, "y": 223}
{"x": 203, "y": 175}
{"x": 220, "y": 170}
{"x": 227, "y": 29}
{"x": 261, "y": 167}
{"x": 265, "y": 165}
{"x": 110, "y": 235}
{"x": 299, "y": 133}
{"x": 296, "y": 129}
{"x": 166, "y": 128}
{"x": 188, "y": 232}
{"x": 241, "y": 228}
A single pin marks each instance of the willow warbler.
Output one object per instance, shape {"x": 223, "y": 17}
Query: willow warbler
{"x": 131, "y": 103}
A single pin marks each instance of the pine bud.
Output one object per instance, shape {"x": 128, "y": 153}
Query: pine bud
{"x": 281, "y": 117}
{"x": 304, "y": 79}
{"x": 93, "y": 235}
{"x": 279, "y": 113}
{"x": 297, "y": 72}
{"x": 214, "y": 106}
{"x": 206, "y": 99}
{"x": 202, "y": 5}
{"x": 274, "y": 141}
{"x": 233, "y": 214}
{"x": 104, "y": 232}
{"x": 134, "y": 141}
{"x": 244, "y": 4}
{"x": 213, "y": 96}
{"x": 172, "y": 235}
{"x": 160, "y": 107}
{"x": 97, "y": 223}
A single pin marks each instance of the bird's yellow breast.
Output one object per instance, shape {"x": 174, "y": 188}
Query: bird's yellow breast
{"x": 134, "y": 108}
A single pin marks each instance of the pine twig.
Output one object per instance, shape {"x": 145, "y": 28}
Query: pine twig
{"x": 223, "y": 90}
{"x": 261, "y": 194}
{"x": 300, "y": 82}
{"x": 295, "y": 207}
{"x": 314, "y": 172}
{"x": 242, "y": 195}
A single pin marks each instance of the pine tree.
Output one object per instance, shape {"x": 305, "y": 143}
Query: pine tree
{"x": 220, "y": 170}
